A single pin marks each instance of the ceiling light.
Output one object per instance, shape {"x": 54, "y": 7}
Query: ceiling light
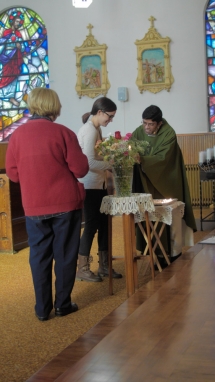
{"x": 81, "y": 3}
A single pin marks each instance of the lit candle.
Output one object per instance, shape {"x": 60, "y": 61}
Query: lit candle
{"x": 129, "y": 147}
{"x": 166, "y": 201}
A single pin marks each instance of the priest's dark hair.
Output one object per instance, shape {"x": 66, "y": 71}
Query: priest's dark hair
{"x": 152, "y": 112}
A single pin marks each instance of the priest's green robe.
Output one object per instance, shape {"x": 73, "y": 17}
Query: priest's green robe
{"x": 162, "y": 173}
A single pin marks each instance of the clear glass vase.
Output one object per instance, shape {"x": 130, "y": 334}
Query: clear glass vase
{"x": 122, "y": 177}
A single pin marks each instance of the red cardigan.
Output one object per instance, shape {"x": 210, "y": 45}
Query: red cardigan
{"x": 46, "y": 159}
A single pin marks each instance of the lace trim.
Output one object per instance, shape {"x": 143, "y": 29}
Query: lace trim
{"x": 113, "y": 205}
{"x": 162, "y": 213}
{"x": 137, "y": 204}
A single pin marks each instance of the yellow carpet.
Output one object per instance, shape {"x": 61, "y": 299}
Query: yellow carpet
{"x": 27, "y": 344}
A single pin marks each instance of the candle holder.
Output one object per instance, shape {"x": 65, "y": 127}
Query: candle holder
{"x": 208, "y": 166}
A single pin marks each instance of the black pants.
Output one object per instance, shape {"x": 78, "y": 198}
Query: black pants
{"x": 58, "y": 239}
{"x": 94, "y": 221}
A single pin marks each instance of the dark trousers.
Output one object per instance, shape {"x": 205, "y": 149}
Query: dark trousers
{"x": 57, "y": 239}
{"x": 94, "y": 221}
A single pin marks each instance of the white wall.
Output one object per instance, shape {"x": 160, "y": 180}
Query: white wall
{"x": 118, "y": 24}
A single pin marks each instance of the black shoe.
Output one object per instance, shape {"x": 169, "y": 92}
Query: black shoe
{"x": 42, "y": 318}
{"x": 105, "y": 273}
{"x": 64, "y": 311}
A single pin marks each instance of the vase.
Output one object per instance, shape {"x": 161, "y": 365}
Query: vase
{"x": 122, "y": 178}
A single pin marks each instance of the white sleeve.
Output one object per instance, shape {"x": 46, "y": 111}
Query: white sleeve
{"x": 88, "y": 141}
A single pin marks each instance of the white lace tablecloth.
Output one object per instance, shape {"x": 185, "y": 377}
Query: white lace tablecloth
{"x": 162, "y": 213}
{"x": 137, "y": 204}
{"x": 113, "y": 205}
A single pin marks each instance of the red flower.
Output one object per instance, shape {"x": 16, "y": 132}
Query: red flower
{"x": 127, "y": 136}
{"x": 118, "y": 135}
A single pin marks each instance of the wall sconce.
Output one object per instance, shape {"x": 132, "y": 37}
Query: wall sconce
{"x": 81, "y": 3}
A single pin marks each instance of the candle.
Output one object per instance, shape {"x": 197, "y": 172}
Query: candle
{"x": 129, "y": 147}
{"x": 202, "y": 157}
{"x": 208, "y": 154}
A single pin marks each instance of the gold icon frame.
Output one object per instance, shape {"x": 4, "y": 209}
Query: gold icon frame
{"x": 92, "y": 56}
{"x": 151, "y": 76}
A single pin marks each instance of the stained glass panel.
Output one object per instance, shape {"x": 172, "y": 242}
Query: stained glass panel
{"x": 23, "y": 65}
{"x": 210, "y": 51}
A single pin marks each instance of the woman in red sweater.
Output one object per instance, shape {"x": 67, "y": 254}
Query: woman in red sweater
{"x": 46, "y": 159}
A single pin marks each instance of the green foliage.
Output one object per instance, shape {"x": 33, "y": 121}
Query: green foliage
{"x": 121, "y": 152}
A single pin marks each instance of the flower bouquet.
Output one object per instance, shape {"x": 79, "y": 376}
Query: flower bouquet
{"x": 122, "y": 154}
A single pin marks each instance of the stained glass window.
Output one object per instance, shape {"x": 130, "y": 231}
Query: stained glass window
{"x": 210, "y": 52}
{"x": 23, "y": 65}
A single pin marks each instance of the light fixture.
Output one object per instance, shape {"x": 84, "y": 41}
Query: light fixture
{"x": 81, "y": 3}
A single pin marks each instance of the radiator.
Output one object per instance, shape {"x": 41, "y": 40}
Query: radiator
{"x": 192, "y": 171}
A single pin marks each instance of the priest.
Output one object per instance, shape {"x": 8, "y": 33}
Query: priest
{"x": 162, "y": 173}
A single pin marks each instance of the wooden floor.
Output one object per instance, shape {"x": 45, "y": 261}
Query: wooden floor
{"x": 164, "y": 332}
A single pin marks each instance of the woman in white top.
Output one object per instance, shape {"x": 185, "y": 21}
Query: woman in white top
{"x": 103, "y": 112}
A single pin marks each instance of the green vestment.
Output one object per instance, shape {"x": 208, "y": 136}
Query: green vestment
{"x": 162, "y": 173}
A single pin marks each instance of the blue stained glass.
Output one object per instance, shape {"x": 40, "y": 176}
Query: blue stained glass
{"x": 46, "y": 59}
{"x": 211, "y": 5}
{"x": 208, "y": 40}
{"x": 213, "y": 43}
{"x": 45, "y": 44}
{"x": 210, "y": 52}
{"x": 208, "y": 27}
{"x": 34, "y": 53}
{"x": 39, "y": 30}
{"x": 212, "y": 110}
{"x": 213, "y": 87}
{"x": 211, "y": 2}
{"x": 24, "y": 69}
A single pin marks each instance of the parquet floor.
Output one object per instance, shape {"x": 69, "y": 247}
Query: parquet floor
{"x": 164, "y": 332}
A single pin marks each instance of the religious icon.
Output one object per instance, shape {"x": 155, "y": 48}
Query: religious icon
{"x": 91, "y": 72}
{"x": 23, "y": 65}
{"x": 154, "y": 70}
{"x": 153, "y": 66}
{"x": 92, "y": 79}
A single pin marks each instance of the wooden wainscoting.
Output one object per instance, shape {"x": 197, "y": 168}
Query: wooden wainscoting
{"x": 3, "y": 149}
{"x": 190, "y": 145}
